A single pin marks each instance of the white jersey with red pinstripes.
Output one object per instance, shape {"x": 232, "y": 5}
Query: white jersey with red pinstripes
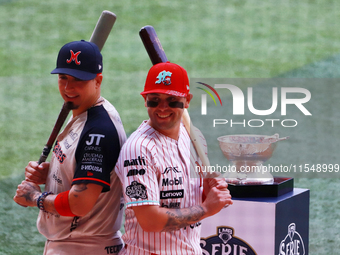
{"x": 157, "y": 170}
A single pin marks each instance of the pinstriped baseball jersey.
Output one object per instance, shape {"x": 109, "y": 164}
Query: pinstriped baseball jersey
{"x": 157, "y": 170}
{"x": 86, "y": 151}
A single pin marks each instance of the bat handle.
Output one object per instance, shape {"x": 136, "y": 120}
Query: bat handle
{"x": 44, "y": 154}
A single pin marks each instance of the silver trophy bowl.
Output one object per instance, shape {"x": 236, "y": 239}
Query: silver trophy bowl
{"x": 247, "y": 153}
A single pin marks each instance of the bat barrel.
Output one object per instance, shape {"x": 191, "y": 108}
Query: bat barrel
{"x": 152, "y": 45}
{"x": 103, "y": 28}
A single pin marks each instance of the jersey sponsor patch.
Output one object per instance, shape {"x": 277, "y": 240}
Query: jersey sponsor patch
{"x": 172, "y": 194}
{"x": 195, "y": 225}
{"x": 133, "y": 172}
{"x": 91, "y": 168}
{"x": 113, "y": 249}
{"x": 171, "y": 182}
{"x": 74, "y": 223}
{"x": 140, "y": 161}
{"x": 93, "y": 142}
{"x": 93, "y": 148}
{"x": 95, "y": 158}
{"x": 57, "y": 179}
{"x": 94, "y": 139}
{"x": 136, "y": 190}
{"x": 66, "y": 144}
{"x": 171, "y": 168}
{"x": 58, "y": 152}
{"x": 73, "y": 135}
{"x": 175, "y": 205}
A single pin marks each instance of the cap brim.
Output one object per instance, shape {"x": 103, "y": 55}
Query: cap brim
{"x": 168, "y": 92}
{"x": 85, "y": 76}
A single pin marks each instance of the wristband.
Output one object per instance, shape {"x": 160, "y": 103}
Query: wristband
{"x": 40, "y": 201}
{"x": 62, "y": 205}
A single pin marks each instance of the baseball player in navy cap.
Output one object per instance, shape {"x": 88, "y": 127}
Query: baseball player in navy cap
{"x": 163, "y": 193}
{"x": 81, "y": 207}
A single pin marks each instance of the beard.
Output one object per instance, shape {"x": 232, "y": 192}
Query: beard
{"x": 71, "y": 106}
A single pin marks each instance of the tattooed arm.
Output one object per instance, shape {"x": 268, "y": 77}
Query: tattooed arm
{"x": 154, "y": 218}
{"x": 27, "y": 194}
{"x": 180, "y": 218}
{"x": 82, "y": 197}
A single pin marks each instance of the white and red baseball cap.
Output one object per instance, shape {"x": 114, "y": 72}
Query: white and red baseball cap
{"x": 167, "y": 78}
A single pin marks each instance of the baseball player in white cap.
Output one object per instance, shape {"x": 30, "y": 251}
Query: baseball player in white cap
{"x": 81, "y": 208}
{"x": 163, "y": 194}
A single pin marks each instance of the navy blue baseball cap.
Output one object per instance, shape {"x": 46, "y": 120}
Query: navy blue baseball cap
{"x": 80, "y": 59}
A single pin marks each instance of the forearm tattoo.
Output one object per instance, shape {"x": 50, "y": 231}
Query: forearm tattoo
{"x": 29, "y": 196}
{"x": 80, "y": 188}
{"x": 180, "y": 218}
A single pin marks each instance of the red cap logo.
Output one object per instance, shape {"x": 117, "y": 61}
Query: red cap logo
{"x": 74, "y": 57}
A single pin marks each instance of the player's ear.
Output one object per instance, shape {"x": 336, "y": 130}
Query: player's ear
{"x": 144, "y": 96}
{"x": 99, "y": 79}
{"x": 188, "y": 99}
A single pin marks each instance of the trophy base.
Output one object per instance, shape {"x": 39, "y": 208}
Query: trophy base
{"x": 249, "y": 178}
{"x": 280, "y": 186}
{"x": 250, "y": 181}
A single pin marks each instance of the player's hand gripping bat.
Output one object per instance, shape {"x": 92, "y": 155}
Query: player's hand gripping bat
{"x": 157, "y": 55}
{"x": 99, "y": 36}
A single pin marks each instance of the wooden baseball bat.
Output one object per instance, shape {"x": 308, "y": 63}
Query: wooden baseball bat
{"x": 65, "y": 109}
{"x": 103, "y": 28}
{"x": 157, "y": 55}
{"x": 99, "y": 36}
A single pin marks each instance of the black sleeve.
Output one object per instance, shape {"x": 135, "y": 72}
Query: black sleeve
{"x": 98, "y": 149}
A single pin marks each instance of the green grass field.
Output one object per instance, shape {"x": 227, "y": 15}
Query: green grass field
{"x": 211, "y": 39}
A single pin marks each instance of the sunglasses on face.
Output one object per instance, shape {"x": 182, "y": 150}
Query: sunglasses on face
{"x": 172, "y": 104}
